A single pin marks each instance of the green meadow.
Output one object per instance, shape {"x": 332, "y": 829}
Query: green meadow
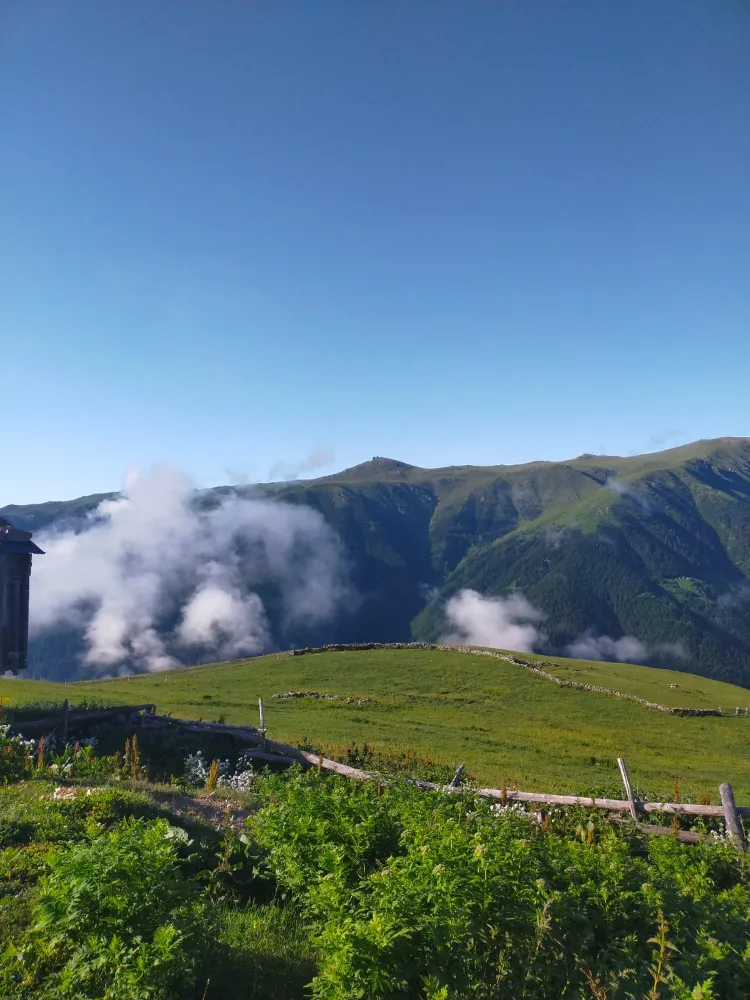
{"x": 497, "y": 718}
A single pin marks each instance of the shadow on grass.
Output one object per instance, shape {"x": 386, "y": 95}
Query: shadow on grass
{"x": 263, "y": 952}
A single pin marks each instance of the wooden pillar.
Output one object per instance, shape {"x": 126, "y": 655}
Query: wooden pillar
{"x": 457, "y": 776}
{"x": 65, "y": 718}
{"x": 262, "y": 721}
{"x": 734, "y": 827}
{"x": 632, "y": 804}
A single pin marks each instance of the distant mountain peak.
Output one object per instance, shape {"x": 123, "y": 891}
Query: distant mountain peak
{"x": 391, "y": 463}
{"x": 378, "y": 467}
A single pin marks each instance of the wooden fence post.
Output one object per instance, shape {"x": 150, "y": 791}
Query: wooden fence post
{"x": 457, "y": 776}
{"x": 262, "y": 721}
{"x": 632, "y": 804}
{"x": 734, "y": 829}
{"x": 65, "y": 715}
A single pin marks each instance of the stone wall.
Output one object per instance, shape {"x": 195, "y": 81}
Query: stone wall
{"x": 534, "y": 668}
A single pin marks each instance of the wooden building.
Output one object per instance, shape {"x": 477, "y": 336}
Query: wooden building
{"x": 16, "y": 550}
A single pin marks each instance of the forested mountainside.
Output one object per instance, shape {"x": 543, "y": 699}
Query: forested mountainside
{"x": 656, "y": 547}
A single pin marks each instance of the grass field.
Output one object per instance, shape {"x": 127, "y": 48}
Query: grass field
{"x": 495, "y": 717}
{"x": 665, "y": 687}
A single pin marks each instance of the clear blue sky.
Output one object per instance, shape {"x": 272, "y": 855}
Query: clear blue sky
{"x": 445, "y": 231}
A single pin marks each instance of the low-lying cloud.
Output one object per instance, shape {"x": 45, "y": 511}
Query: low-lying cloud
{"x": 626, "y": 649}
{"x": 513, "y": 623}
{"x": 553, "y": 536}
{"x": 154, "y": 579}
{"x": 497, "y": 622}
{"x": 630, "y": 492}
{"x": 735, "y": 597}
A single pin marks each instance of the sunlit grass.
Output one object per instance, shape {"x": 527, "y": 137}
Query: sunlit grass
{"x": 497, "y": 718}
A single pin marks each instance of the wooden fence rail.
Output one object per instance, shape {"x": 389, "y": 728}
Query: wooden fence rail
{"x": 271, "y": 751}
{"x": 68, "y": 720}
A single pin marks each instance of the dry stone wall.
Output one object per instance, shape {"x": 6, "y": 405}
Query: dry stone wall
{"x": 534, "y": 668}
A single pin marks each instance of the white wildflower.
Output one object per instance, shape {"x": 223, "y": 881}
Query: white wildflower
{"x": 240, "y": 781}
{"x": 195, "y": 770}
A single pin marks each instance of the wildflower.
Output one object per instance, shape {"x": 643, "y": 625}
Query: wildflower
{"x": 240, "y": 781}
{"x": 195, "y": 770}
{"x": 63, "y": 794}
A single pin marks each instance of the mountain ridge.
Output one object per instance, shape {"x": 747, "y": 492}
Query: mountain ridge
{"x": 654, "y": 546}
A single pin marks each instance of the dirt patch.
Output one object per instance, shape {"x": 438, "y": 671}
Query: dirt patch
{"x": 216, "y": 812}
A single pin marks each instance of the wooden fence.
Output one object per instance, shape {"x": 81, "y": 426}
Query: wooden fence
{"x": 266, "y": 750}
{"x": 271, "y": 751}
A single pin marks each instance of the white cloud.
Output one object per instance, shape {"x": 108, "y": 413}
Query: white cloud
{"x": 626, "y": 649}
{"x": 630, "y": 492}
{"x": 553, "y": 536}
{"x": 228, "y": 622}
{"x": 152, "y": 557}
{"x": 735, "y": 597}
{"x": 497, "y": 622}
{"x": 601, "y": 647}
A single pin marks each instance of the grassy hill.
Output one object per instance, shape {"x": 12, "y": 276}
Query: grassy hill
{"x": 653, "y": 546}
{"x": 496, "y": 717}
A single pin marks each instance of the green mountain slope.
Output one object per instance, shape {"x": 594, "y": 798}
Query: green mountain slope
{"x": 655, "y": 546}
{"x": 661, "y": 553}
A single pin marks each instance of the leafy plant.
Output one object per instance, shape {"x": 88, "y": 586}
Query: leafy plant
{"x": 15, "y": 756}
{"x": 113, "y": 920}
{"x": 316, "y": 830}
{"x": 424, "y": 896}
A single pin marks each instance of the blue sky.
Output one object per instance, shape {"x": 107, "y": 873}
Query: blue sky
{"x": 239, "y": 233}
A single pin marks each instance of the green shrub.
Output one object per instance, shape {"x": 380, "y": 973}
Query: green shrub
{"x": 475, "y": 910}
{"x": 31, "y": 710}
{"x": 107, "y": 806}
{"x": 80, "y": 761}
{"x": 315, "y": 829}
{"x": 113, "y": 920}
{"x": 15, "y": 757}
{"x": 419, "y": 895}
{"x": 30, "y": 813}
